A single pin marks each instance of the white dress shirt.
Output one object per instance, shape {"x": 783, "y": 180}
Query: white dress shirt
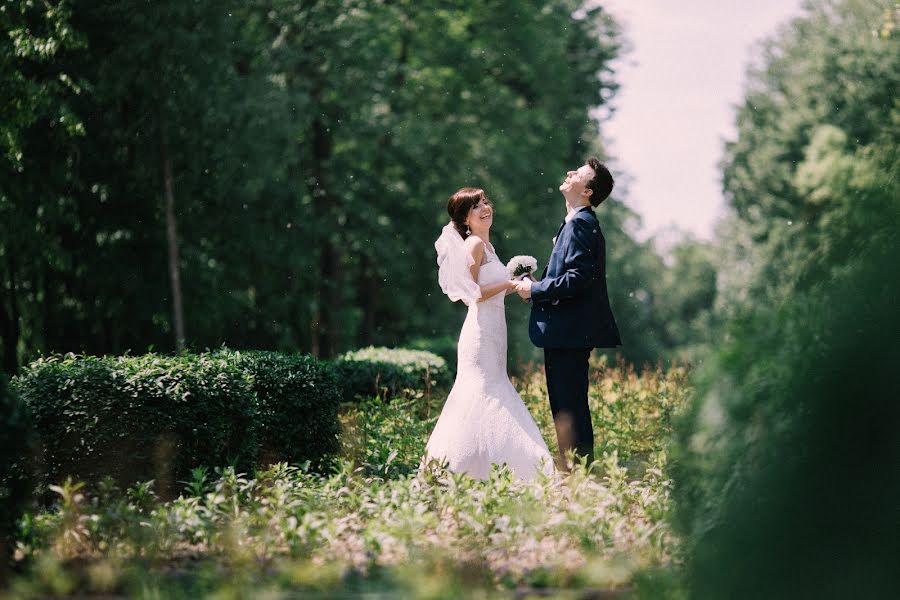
{"x": 569, "y": 216}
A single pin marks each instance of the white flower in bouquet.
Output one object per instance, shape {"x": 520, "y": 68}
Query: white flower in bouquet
{"x": 521, "y": 265}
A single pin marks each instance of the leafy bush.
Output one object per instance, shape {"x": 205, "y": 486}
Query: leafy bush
{"x": 409, "y": 536}
{"x": 157, "y": 417}
{"x": 632, "y": 413}
{"x": 444, "y": 346}
{"x": 138, "y": 418}
{"x": 375, "y": 522}
{"x": 390, "y": 373}
{"x": 632, "y": 417}
{"x": 787, "y": 465}
{"x": 387, "y": 439}
{"x": 297, "y": 407}
{"x": 15, "y": 469}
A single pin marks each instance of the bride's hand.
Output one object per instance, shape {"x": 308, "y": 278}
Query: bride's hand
{"x": 524, "y": 288}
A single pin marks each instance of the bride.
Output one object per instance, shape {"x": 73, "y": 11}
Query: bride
{"x": 484, "y": 421}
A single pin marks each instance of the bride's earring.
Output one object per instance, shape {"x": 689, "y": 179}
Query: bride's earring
{"x": 468, "y": 231}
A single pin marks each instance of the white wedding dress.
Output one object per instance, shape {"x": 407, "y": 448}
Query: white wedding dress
{"x": 484, "y": 421}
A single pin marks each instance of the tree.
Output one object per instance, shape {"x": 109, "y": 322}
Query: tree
{"x": 286, "y": 166}
{"x": 811, "y": 175}
{"x": 36, "y": 92}
{"x": 788, "y": 427}
{"x": 394, "y": 123}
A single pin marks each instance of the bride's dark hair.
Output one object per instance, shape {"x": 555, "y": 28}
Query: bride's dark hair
{"x": 461, "y": 203}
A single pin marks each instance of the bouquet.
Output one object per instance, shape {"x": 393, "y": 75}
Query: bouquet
{"x": 519, "y": 266}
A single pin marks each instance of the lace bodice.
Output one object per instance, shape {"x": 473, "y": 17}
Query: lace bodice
{"x": 492, "y": 271}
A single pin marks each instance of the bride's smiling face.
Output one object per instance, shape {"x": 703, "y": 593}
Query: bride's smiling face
{"x": 481, "y": 216}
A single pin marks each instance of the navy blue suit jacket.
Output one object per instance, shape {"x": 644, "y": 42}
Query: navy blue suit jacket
{"x": 570, "y": 304}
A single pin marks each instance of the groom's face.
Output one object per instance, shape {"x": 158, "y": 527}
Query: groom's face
{"x": 575, "y": 184}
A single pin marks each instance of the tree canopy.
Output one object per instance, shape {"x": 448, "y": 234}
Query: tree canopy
{"x": 273, "y": 174}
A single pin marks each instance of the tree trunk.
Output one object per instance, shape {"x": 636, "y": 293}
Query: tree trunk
{"x": 325, "y": 331}
{"x": 172, "y": 235}
{"x": 9, "y": 320}
{"x": 369, "y": 301}
{"x": 369, "y": 284}
{"x": 326, "y": 334}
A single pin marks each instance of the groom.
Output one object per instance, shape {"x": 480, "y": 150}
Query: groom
{"x": 570, "y": 314}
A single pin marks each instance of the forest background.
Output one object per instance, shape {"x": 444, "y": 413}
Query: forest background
{"x": 273, "y": 174}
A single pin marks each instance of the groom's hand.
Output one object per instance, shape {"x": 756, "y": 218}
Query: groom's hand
{"x": 523, "y": 288}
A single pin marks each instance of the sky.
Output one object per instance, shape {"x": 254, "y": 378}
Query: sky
{"x": 680, "y": 84}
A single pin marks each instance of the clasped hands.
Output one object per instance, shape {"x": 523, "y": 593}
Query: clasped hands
{"x": 523, "y": 287}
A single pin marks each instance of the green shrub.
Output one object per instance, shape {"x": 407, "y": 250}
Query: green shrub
{"x": 297, "y": 407}
{"x": 136, "y": 418}
{"x": 377, "y": 515}
{"x": 387, "y": 439}
{"x": 16, "y": 450}
{"x": 157, "y": 417}
{"x": 390, "y": 372}
{"x": 444, "y": 346}
{"x": 786, "y": 466}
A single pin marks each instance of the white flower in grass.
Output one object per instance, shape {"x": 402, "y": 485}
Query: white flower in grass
{"x": 521, "y": 265}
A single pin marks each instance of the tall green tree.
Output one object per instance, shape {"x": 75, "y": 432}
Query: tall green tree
{"x": 788, "y": 429}
{"x": 161, "y": 110}
{"x": 404, "y": 102}
{"x": 38, "y": 128}
{"x": 284, "y": 167}
{"x": 811, "y": 177}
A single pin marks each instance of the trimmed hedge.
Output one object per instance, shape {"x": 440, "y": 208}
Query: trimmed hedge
{"x": 157, "y": 417}
{"x": 444, "y": 346}
{"x": 390, "y": 373}
{"x": 298, "y": 405}
{"x": 16, "y": 452}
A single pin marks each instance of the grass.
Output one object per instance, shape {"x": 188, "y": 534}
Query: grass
{"x": 376, "y": 525}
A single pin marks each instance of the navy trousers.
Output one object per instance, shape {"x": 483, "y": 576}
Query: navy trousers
{"x": 567, "y": 385}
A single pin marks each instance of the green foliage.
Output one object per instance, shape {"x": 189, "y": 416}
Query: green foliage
{"x": 812, "y": 175}
{"x": 407, "y": 536}
{"x": 686, "y": 294}
{"x": 391, "y": 373}
{"x": 785, "y": 461}
{"x": 376, "y": 524}
{"x": 33, "y": 87}
{"x": 83, "y": 230}
{"x": 139, "y": 418}
{"x": 443, "y": 346}
{"x": 631, "y": 413}
{"x": 297, "y": 405}
{"x": 387, "y": 439}
{"x": 786, "y": 464}
{"x": 38, "y": 126}
{"x": 157, "y": 417}
{"x": 312, "y": 149}
{"x": 302, "y": 141}
{"x": 16, "y": 455}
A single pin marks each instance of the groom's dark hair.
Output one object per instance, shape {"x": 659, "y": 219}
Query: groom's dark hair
{"x": 602, "y": 183}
